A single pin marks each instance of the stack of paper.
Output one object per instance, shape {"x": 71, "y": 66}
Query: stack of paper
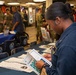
{"x": 15, "y": 64}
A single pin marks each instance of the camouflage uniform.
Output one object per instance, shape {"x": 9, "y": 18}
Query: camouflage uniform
{"x": 9, "y": 19}
{"x": 1, "y": 21}
{"x": 39, "y": 24}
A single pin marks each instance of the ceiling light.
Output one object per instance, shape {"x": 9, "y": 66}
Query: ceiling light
{"x": 30, "y": 3}
{"x": 1, "y": 2}
{"x": 39, "y": 0}
{"x": 71, "y": 4}
{"x": 13, "y": 3}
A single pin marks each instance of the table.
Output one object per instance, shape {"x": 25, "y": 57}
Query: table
{"x": 7, "y": 37}
{"x": 4, "y": 71}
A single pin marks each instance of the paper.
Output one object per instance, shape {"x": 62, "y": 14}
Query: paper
{"x": 22, "y": 56}
{"x": 32, "y": 57}
{"x": 15, "y": 66}
{"x": 12, "y": 32}
{"x": 52, "y": 44}
{"x": 28, "y": 50}
{"x": 30, "y": 61}
{"x": 45, "y": 46}
{"x": 48, "y": 50}
{"x": 31, "y": 50}
{"x": 14, "y": 59}
{"x": 1, "y": 33}
{"x": 42, "y": 46}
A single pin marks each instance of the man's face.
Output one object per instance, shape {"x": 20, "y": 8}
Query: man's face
{"x": 8, "y": 12}
{"x": 13, "y": 9}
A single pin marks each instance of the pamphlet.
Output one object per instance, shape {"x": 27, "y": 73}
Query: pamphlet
{"x": 17, "y": 64}
{"x": 32, "y": 57}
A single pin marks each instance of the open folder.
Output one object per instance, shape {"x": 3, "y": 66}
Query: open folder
{"x": 31, "y": 59}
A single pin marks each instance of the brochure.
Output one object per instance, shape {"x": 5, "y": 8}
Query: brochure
{"x": 32, "y": 57}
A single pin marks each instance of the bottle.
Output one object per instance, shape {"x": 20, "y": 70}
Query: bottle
{"x": 6, "y": 31}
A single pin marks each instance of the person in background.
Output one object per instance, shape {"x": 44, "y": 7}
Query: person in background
{"x": 39, "y": 21}
{"x": 59, "y": 17}
{"x": 17, "y": 21}
{"x": 1, "y": 20}
{"x": 18, "y": 26}
{"x": 8, "y": 19}
{"x": 74, "y": 13}
{"x": 18, "y": 9}
{"x": 25, "y": 18}
{"x": 49, "y": 32}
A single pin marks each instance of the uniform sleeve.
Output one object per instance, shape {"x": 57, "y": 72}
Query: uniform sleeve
{"x": 40, "y": 18}
{"x": 5, "y": 17}
{"x": 65, "y": 62}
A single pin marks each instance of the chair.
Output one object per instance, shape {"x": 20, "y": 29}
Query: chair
{"x": 3, "y": 55}
{"x": 1, "y": 27}
{"x": 23, "y": 40}
{"x": 18, "y": 34}
{"x": 26, "y": 35}
{"x": 1, "y": 47}
{"x": 16, "y": 50}
{"x": 9, "y": 45}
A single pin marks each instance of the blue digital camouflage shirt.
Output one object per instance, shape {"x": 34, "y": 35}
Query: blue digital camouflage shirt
{"x": 64, "y": 59}
{"x": 17, "y": 18}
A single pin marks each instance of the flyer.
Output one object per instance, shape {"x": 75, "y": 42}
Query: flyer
{"x": 32, "y": 57}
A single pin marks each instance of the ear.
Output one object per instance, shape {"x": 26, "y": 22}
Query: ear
{"x": 57, "y": 21}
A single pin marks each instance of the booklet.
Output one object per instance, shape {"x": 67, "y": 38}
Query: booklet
{"x": 32, "y": 57}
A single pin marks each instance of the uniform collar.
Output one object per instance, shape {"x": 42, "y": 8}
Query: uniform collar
{"x": 66, "y": 32}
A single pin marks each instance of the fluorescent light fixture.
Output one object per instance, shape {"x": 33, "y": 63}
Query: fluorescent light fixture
{"x": 13, "y": 3}
{"x": 1, "y": 2}
{"x": 71, "y": 4}
{"x": 30, "y": 3}
{"x": 39, "y": 0}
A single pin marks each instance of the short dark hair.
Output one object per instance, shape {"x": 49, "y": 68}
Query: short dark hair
{"x": 59, "y": 1}
{"x": 14, "y": 7}
{"x": 7, "y": 9}
{"x": 59, "y": 9}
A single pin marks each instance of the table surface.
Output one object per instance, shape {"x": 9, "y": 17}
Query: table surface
{"x": 6, "y": 37}
{"x": 5, "y": 71}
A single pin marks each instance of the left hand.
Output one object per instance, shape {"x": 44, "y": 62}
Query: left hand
{"x": 47, "y": 56}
